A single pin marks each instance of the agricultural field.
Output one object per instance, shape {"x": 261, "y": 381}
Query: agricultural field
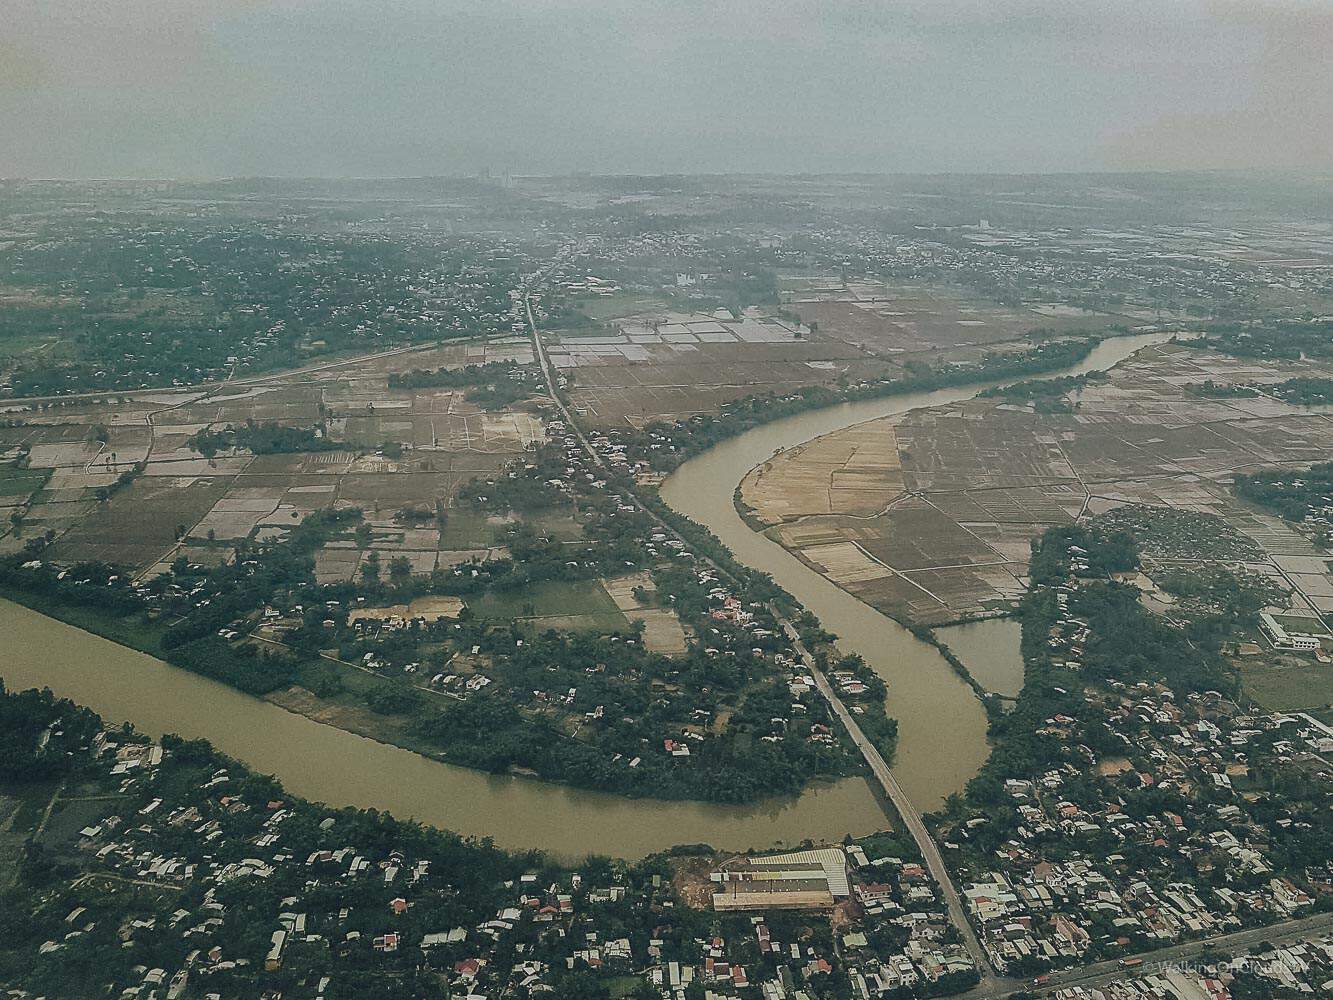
{"x": 928, "y": 515}
{"x": 857, "y": 472}
{"x": 672, "y": 365}
{"x": 16, "y": 485}
{"x": 911, "y": 320}
{"x": 662, "y": 631}
{"x": 641, "y": 361}
{"x": 121, "y": 478}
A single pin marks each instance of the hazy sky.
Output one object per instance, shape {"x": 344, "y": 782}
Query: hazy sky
{"x": 398, "y": 87}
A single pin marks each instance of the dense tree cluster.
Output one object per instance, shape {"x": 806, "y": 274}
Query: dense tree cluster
{"x": 1305, "y": 391}
{"x": 1045, "y": 388}
{"x": 30, "y": 749}
{"x": 1276, "y": 340}
{"x": 1102, "y": 552}
{"x": 262, "y": 438}
{"x": 1292, "y": 494}
{"x": 136, "y": 302}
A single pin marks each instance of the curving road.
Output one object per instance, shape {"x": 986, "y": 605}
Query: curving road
{"x": 911, "y": 818}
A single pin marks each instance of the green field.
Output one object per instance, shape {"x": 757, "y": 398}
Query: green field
{"x": 609, "y": 307}
{"x": 623, "y": 986}
{"x": 560, "y": 526}
{"x": 17, "y": 345}
{"x": 583, "y": 599}
{"x": 1301, "y": 623}
{"x": 20, "y": 482}
{"x": 466, "y": 529}
{"x": 1289, "y": 688}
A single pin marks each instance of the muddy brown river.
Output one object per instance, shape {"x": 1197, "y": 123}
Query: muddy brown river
{"x": 342, "y": 769}
{"x": 942, "y": 725}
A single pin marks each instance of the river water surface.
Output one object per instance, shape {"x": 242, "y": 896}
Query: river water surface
{"x": 330, "y": 765}
{"x": 942, "y": 726}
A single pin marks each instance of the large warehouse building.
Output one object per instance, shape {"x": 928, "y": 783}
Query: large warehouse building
{"x": 803, "y": 880}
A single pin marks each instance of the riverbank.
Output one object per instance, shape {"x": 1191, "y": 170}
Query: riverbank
{"x": 925, "y": 633}
{"x": 338, "y": 768}
{"x": 942, "y": 728}
{"x": 140, "y": 636}
{"x": 942, "y": 724}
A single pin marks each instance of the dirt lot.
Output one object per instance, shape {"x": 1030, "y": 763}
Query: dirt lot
{"x": 691, "y": 881}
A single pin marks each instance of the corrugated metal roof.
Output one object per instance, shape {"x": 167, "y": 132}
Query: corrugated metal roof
{"x": 831, "y": 859}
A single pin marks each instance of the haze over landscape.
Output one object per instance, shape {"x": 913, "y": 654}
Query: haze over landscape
{"x": 666, "y": 500}
{"x": 213, "y": 88}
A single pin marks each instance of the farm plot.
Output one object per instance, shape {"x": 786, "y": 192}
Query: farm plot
{"x": 978, "y": 444}
{"x": 448, "y": 440}
{"x": 503, "y": 350}
{"x": 672, "y": 379}
{"x": 662, "y": 631}
{"x": 16, "y": 485}
{"x": 140, "y": 523}
{"x": 985, "y": 476}
{"x": 855, "y": 472}
{"x": 906, "y": 320}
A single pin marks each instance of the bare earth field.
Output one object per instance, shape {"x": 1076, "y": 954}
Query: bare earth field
{"x": 928, "y": 515}
{"x": 662, "y": 631}
{"x": 636, "y": 383}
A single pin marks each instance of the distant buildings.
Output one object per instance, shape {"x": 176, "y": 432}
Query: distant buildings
{"x": 1277, "y": 634}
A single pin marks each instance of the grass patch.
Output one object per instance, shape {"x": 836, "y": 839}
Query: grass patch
{"x": 20, "y": 482}
{"x": 69, "y": 817}
{"x": 15, "y": 345}
{"x": 1301, "y": 623}
{"x": 134, "y": 631}
{"x": 608, "y": 307}
{"x": 466, "y": 529}
{"x": 561, "y": 527}
{"x": 623, "y": 986}
{"x": 549, "y": 599}
{"x": 324, "y": 677}
{"x": 27, "y": 801}
{"x": 1282, "y": 689}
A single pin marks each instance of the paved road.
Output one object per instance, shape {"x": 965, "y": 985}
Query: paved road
{"x": 911, "y": 818}
{"x": 1105, "y": 973}
{"x": 879, "y": 767}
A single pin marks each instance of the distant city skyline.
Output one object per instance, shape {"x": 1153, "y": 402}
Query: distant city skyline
{"x": 151, "y": 88}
